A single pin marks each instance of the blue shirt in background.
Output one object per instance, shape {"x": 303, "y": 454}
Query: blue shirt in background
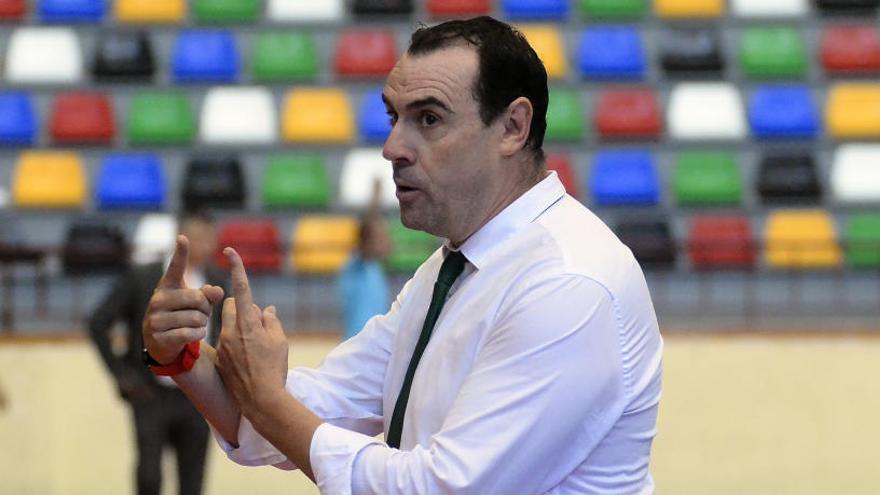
{"x": 363, "y": 290}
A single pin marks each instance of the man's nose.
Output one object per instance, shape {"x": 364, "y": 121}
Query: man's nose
{"x": 395, "y": 149}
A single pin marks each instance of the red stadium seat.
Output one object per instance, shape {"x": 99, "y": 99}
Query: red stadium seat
{"x": 12, "y": 10}
{"x": 458, "y": 7}
{"x": 561, "y": 163}
{"x": 79, "y": 117}
{"x": 366, "y": 53}
{"x": 721, "y": 242}
{"x": 256, "y": 240}
{"x": 628, "y": 113}
{"x": 851, "y": 49}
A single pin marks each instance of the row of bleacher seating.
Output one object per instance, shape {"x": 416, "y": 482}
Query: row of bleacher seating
{"x": 617, "y": 177}
{"x": 243, "y": 11}
{"x": 320, "y": 244}
{"x": 53, "y": 55}
{"x": 248, "y": 115}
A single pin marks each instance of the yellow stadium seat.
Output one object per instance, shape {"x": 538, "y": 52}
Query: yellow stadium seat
{"x": 548, "y": 44}
{"x": 853, "y": 111}
{"x": 49, "y": 180}
{"x": 318, "y": 115}
{"x": 802, "y": 239}
{"x": 322, "y": 244}
{"x": 150, "y": 11}
{"x": 689, "y": 8}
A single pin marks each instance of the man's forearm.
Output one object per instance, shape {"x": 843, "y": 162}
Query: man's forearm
{"x": 205, "y": 389}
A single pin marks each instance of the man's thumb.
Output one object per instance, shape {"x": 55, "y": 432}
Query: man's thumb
{"x": 213, "y": 293}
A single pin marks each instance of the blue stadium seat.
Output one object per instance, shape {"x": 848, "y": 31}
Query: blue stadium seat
{"x": 18, "y": 121}
{"x": 373, "y": 118}
{"x": 71, "y": 10}
{"x": 535, "y": 9}
{"x": 611, "y": 52}
{"x": 134, "y": 181}
{"x": 783, "y": 112}
{"x": 205, "y": 56}
{"x": 624, "y": 178}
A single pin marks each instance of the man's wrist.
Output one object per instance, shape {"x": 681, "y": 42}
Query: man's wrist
{"x": 183, "y": 363}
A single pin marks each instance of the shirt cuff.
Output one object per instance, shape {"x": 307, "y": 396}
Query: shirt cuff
{"x": 332, "y": 455}
{"x": 253, "y": 449}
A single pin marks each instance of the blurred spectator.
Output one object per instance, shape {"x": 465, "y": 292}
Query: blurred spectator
{"x": 162, "y": 414}
{"x": 3, "y": 400}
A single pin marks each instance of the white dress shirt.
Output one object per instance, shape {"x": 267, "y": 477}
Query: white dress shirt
{"x": 542, "y": 375}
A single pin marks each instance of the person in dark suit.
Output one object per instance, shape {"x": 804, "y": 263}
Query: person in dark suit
{"x": 162, "y": 414}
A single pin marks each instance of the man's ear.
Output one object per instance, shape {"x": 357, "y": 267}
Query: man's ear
{"x": 517, "y": 122}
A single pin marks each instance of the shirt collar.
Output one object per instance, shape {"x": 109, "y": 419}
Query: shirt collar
{"x": 523, "y": 211}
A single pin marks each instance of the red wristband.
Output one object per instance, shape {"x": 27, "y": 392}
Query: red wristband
{"x": 184, "y": 362}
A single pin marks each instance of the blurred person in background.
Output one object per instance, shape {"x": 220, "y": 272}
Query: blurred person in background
{"x": 162, "y": 414}
{"x": 3, "y": 400}
{"x": 363, "y": 288}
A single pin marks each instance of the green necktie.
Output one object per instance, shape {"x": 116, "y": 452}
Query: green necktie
{"x": 449, "y": 271}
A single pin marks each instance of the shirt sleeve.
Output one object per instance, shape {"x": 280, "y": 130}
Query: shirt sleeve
{"x": 546, "y": 387}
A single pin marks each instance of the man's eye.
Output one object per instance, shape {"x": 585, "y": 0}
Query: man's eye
{"x": 392, "y": 118}
{"x": 429, "y": 119}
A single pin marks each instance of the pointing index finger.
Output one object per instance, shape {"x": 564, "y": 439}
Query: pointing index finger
{"x": 173, "y": 277}
{"x": 240, "y": 286}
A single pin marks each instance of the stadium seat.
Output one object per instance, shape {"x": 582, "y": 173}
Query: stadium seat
{"x": 299, "y": 11}
{"x": 131, "y": 181}
{"x": 611, "y": 52}
{"x": 410, "y": 248}
{"x": 650, "y": 241}
{"x": 382, "y": 7}
{"x": 154, "y": 238}
{"x": 707, "y": 178}
{"x": 322, "y": 244}
{"x": 853, "y": 111}
{"x": 855, "y": 174}
{"x": 850, "y": 49}
{"x": 706, "y": 111}
{"x": 621, "y": 178}
{"x": 93, "y": 247}
{"x": 13, "y": 10}
{"x": 296, "y": 181}
{"x": 561, "y": 164}
{"x": 150, "y": 11}
{"x": 124, "y": 56}
{"x": 283, "y": 56}
{"x": 801, "y": 239}
{"x": 691, "y": 50}
{"x": 362, "y": 168}
{"x": 365, "y": 53}
{"x": 765, "y": 9}
{"x": 862, "y": 236}
{"x": 772, "y": 52}
{"x": 256, "y": 240}
{"x": 237, "y": 115}
{"x": 373, "y": 119}
{"x": 783, "y": 112}
{"x": 205, "y": 57}
{"x": 226, "y": 10}
{"x": 608, "y": 9}
{"x": 628, "y": 113}
{"x": 79, "y": 117}
{"x": 18, "y": 119}
{"x": 547, "y": 42}
{"x": 689, "y": 8}
{"x": 865, "y": 7}
{"x": 457, "y": 8}
{"x": 721, "y": 242}
{"x": 49, "y": 180}
{"x": 318, "y": 115}
{"x": 43, "y": 55}
{"x": 565, "y": 116}
{"x": 518, "y": 10}
{"x": 788, "y": 177}
{"x": 160, "y": 118}
{"x": 213, "y": 183}
{"x": 71, "y": 11}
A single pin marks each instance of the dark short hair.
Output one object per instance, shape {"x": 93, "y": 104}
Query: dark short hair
{"x": 508, "y": 68}
{"x": 200, "y": 215}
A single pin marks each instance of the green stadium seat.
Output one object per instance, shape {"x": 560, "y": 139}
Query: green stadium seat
{"x": 160, "y": 118}
{"x": 772, "y": 52}
{"x": 593, "y": 9}
{"x": 565, "y": 116}
{"x": 707, "y": 178}
{"x": 410, "y": 247}
{"x": 281, "y": 56}
{"x": 862, "y": 235}
{"x": 226, "y": 10}
{"x": 296, "y": 181}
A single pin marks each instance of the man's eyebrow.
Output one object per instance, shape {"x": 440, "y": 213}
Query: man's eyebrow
{"x": 423, "y": 102}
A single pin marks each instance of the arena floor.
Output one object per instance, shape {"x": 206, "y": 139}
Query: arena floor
{"x": 768, "y": 414}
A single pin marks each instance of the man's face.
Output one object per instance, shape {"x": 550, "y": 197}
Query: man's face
{"x": 445, "y": 160}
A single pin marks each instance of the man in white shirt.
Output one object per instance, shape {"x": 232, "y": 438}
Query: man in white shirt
{"x": 536, "y": 368}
